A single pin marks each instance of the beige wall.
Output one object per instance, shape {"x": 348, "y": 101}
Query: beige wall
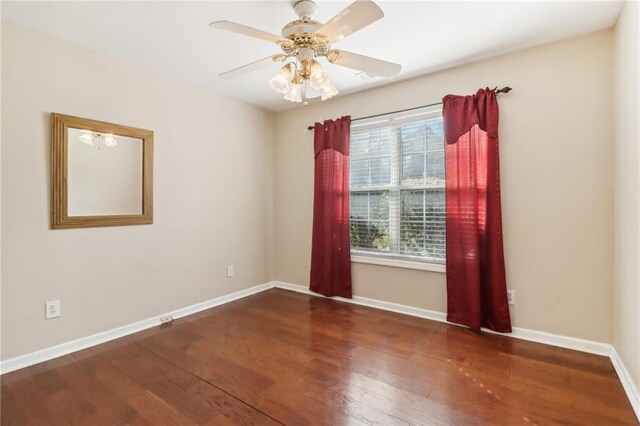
{"x": 557, "y": 181}
{"x": 0, "y": 186}
{"x": 627, "y": 190}
{"x": 211, "y": 187}
{"x": 224, "y": 194}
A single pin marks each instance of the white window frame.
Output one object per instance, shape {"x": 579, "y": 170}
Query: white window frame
{"x": 394, "y": 259}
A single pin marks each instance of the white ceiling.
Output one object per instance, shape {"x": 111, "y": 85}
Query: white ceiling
{"x": 174, "y": 37}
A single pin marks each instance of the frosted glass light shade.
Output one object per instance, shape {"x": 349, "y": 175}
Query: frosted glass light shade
{"x": 281, "y": 81}
{"x": 110, "y": 141}
{"x": 86, "y": 137}
{"x": 318, "y": 79}
{"x": 329, "y": 92}
{"x": 295, "y": 93}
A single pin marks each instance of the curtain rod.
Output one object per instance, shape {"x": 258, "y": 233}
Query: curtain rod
{"x": 505, "y": 89}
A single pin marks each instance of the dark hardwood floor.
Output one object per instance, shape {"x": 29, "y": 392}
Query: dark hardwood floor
{"x": 284, "y": 358}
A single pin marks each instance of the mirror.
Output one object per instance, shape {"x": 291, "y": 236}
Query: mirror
{"x": 101, "y": 173}
{"x": 104, "y": 174}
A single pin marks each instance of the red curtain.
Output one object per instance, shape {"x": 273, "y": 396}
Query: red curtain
{"x": 476, "y": 283}
{"x": 330, "y": 246}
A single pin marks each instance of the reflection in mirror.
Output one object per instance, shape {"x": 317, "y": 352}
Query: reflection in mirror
{"x": 101, "y": 173}
{"x": 104, "y": 174}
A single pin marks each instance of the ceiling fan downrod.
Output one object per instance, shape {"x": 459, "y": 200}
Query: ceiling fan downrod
{"x": 305, "y": 9}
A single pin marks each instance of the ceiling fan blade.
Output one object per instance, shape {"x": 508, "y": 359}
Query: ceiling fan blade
{"x": 253, "y": 66}
{"x": 248, "y": 31}
{"x": 367, "y": 64}
{"x": 355, "y": 17}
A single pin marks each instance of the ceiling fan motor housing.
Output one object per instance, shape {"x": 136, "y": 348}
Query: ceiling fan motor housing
{"x": 300, "y": 26}
{"x": 305, "y": 9}
{"x": 305, "y": 43}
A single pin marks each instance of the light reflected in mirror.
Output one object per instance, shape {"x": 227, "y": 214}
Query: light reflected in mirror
{"x": 101, "y": 173}
{"x": 104, "y": 174}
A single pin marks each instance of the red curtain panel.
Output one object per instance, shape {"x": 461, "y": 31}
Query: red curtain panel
{"x": 331, "y": 247}
{"x": 476, "y": 283}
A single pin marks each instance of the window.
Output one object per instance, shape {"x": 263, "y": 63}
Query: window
{"x": 397, "y": 187}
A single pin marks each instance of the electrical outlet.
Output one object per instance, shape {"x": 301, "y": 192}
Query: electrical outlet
{"x": 511, "y": 297}
{"x": 166, "y": 319}
{"x": 52, "y": 309}
{"x": 229, "y": 271}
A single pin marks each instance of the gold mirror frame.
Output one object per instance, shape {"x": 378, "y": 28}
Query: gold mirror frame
{"x": 60, "y": 219}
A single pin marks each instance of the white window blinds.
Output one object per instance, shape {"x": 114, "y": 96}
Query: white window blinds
{"x": 397, "y": 195}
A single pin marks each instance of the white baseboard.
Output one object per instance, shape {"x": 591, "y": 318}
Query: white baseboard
{"x": 373, "y": 303}
{"x": 519, "y": 333}
{"x": 627, "y": 383}
{"x": 582, "y": 345}
{"x": 105, "y": 336}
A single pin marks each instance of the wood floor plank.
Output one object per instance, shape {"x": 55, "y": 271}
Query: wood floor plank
{"x": 148, "y": 405}
{"x": 308, "y": 401}
{"x": 72, "y": 404}
{"x": 114, "y": 405}
{"x": 31, "y": 404}
{"x": 336, "y": 352}
{"x": 322, "y": 371}
{"x": 202, "y": 402}
{"x": 10, "y": 414}
{"x": 285, "y": 358}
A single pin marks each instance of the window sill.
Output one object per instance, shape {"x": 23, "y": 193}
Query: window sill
{"x": 398, "y": 263}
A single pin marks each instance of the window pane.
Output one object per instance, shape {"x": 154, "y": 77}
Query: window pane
{"x": 435, "y": 168}
{"x": 406, "y": 158}
{"x": 380, "y": 142}
{"x": 413, "y": 137}
{"x": 380, "y": 171}
{"x": 435, "y": 153}
{"x": 422, "y": 223}
{"x": 359, "y": 206}
{"x": 435, "y": 219}
{"x": 371, "y": 158}
{"x": 360, "y": 173}
{"x": 413, "y": 169}
{"x": 370, "y": 220}
{"x": 412, "y": 222}
{"x": 359, "y": 143}
{"x": 423, "y": 153}
{"x": 379, "y": 205}
{"x": 435, "y": 135}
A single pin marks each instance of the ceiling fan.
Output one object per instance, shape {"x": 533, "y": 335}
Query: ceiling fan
{"x": 304, "y": 41}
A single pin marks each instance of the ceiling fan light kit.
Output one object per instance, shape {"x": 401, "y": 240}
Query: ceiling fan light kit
{"x": 304, "y": 41}
{"x": 87, "y": 137}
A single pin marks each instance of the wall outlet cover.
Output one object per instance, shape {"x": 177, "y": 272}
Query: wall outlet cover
{"x": 229, "y": 271}
{"x": 166, "y": 319}
{"x": 511, "y": 297}
{"x": 52, "y": 309}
